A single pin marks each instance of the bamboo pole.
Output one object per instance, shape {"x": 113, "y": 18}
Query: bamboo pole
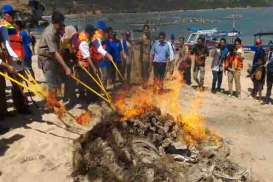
{"x": 104, "y": 89}
{"x": 30, "y": 76}
{"x": 90, "y": 89}
{"x": 35, "y": 86}
{"x": 115, "y": 65}
{"x": 95, "y": 80}
{"x": 30, "y": 89}
{"x": 19, "y": 83}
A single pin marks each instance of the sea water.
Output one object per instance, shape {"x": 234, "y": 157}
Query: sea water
{"x": 249, "y": 21}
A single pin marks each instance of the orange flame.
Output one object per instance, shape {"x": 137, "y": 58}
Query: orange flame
{"x": 53, "y": 103}
{"x": 84, "y": 118}
{"x": 134, "y": 102}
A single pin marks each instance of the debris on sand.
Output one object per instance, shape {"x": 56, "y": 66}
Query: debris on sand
{"x": 150, "y": 147}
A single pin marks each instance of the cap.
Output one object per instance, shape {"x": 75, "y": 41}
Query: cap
{"x": 7, "y": 8}
{"x": 90, "y": 29}
{"x": 101, "y": 25}
{"x": 258, "y": 42}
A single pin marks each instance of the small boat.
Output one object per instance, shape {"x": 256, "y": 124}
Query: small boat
{"x": 211, "y": 36}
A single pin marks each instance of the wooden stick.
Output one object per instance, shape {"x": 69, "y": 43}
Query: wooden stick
{"x": 19, "y": 83}
{"x": 104, "y": 89}
{"x": 117, "y": 69}
{"x": 30, "y": 89}
{"x": 90, "y": 89}
{"x": 99, "y": 84}
{"x": 30, "y": 76}
{"x": 38, "y": 88}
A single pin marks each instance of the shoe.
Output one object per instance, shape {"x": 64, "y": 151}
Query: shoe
{"x": 25, "y": 111}
{"x": 266, "y": 102}
{"x": 213, "y": 91}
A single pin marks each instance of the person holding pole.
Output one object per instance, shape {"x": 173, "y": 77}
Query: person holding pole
{"x": 49, "y": 57}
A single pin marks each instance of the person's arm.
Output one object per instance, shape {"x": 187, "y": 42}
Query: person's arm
{"x": 60, "y": 60}
{"x": 152, "y": 52}
{"x": 9, "y": 67}
{"x": 53, "y": 49}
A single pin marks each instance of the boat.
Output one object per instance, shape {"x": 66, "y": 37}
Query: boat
{"x": 212, "y": 36}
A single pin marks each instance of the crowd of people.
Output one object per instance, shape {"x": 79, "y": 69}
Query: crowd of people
{"x": 65, "y": 53}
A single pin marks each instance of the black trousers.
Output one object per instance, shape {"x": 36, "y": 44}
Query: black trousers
{"x": 217, "y": 79}
{"x": 187, "y": 75}
{"x": 159, "y": 70}
{"x": 86, "y": 94}
{"x": 3, "y": 103}
{"x": 18, "y": 97}
{"x": 269, "y": 85}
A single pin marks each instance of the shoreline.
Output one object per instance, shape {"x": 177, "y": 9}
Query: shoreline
{"x": 90, "y": 13}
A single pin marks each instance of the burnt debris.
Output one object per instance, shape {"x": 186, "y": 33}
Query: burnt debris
{"x": 150, "y": 148}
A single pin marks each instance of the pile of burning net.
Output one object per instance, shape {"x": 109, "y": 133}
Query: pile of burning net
{"x": 143, "y": 143}
{"x": 151, "y": 147}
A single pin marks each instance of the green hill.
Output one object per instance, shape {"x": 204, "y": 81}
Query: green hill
{"x": 75, "y": 6}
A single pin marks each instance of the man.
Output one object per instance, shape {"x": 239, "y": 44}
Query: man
{"x": 49, "y": 57}
{"x": 219, "y": 56}
{"x": 258, "y": 69}
{"x": 101, "y": 49}
{"x": 234, "y": 65}
{"x": 171, "y": 63}
{"x": 200, "y": 52}
{"x": 145, "y": 48}
{"x": 160, "y": 53}
{"x": 269, "y": 76}
{"x": 127, "y": 53}
{"x": 26, "y": 41}
{"x": 184, "y": 65}
{"x": 85, "y": 61}
{"x": 12, "y": 42}
{"x": 69, "y": 47}
{"x": 115, "y": 50}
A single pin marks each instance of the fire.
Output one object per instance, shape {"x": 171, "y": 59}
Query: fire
{"x": 132, "y": 104}
{"x": 138, "y": 101}
{"x": 53, "y": 103}
{"x": 84, "y": 118}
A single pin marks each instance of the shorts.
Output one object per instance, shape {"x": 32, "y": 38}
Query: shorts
{"x": 53, "y": 73}
{"x": 159, "y": 70}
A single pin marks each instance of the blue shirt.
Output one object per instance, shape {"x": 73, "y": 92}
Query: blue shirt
{"x": 223, "y": 53}
{"x": 259, "y": 54}
{"x": 124, "y": 46}
{"x": 114, "y": 48}
{"x": 160, "y": 52}
{"x": 26, "y": 39}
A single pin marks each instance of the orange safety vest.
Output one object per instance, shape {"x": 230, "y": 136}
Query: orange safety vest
{"x": 16, "y": 44}
{"x": 95, "y": 55}
{"x": 82, "y": 61}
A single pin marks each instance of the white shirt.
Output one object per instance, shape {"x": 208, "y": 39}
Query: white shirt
{"x": 172, "y": 56}
{"x": 84, "y": 48}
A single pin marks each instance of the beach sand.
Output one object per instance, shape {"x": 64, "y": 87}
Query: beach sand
{"x": 37, "y": 148}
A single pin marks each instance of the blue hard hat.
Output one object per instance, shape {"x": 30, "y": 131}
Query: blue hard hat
{"x": 7, "y": 8}
{"x": 101, "y": 25}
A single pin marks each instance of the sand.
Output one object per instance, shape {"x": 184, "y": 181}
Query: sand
{"x": 37, "y": 148}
